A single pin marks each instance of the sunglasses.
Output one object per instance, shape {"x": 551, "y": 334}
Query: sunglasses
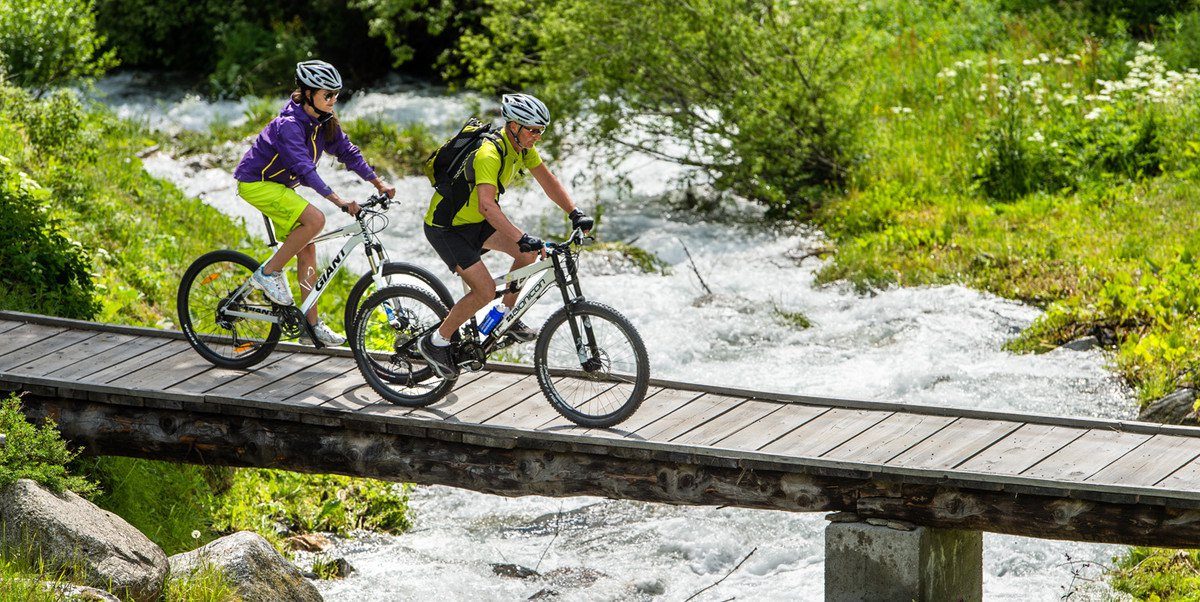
{"x": 534, "y": 131}
{"x": 330, "y": 95}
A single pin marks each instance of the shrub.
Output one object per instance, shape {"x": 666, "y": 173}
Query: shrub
{"x": 254, "y": 60}
{"x": 30, "y": 452}
{"x": 50, "y": 42}
{"x": 272, "y": 501}
{"x": 43, "y": 269}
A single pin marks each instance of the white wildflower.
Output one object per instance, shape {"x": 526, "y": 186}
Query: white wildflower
{"x": 1094, "y": 114}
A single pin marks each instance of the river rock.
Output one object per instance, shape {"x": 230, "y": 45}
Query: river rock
{"x": 253, "y": 567}
{"x": 70, "y": 530}
{"x": 309, "y": 542}
{"x": 1083, "y": 344}
{"x": 1176, "y": 408}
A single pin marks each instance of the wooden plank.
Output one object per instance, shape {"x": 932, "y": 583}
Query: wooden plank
{"x": 530, "y": 413}
{"x": 7, "y": 325}
{"x": 730, "y": 422}
{"x": 771, "y": 427}
{"x": 948, "y": 447}
{"x": 500, "y": 401}
{"x": 1187, "y": 478}
{"x": 468, "y": 394}
{"x": 82, "y": 352}
{"x": 137, "y": 362}
{"x": 1150, "y": 462}
{"x": 1020, "y": 449}
{"x": 307, "y": 378}
{"x": 211, "y": 379}
{"x": 25, "y": 335}
{"x": 134, "y": 347}
{"x": 167, "y": 371}
{"x": 33, "y": 351}
{"x": 258, "y": 378}
{"x": 825, "y": 432}
{"x": 889, "y": 438}
{"x": 341, "y": 387}
{"x": 695, "y": 413}
{"x": 1086, "y": 455}
{"x": 654, "y": 407}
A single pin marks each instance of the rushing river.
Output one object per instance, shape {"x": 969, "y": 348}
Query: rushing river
{"x": 930, "y": 345}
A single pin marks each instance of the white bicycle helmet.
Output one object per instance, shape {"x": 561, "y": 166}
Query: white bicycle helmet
{"x": 525, "y": 110}
{"x": 318, "y": 75}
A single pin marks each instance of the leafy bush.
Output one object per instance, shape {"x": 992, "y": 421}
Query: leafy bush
{"x": 697, "y": 83}
{"x": 1156, "y": 574}
{"x": 271, "y": 502}
{"x": 45, "y": 43}
{"x": 401, "y": 151}
{"x": 254, "y": 60}
{"x": 43, "y": 269}
{"x": 30, "y": 452}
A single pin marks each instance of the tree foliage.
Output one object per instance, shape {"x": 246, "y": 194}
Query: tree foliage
{"x": 759, "y": 94}
{"x": 44, "y": 43}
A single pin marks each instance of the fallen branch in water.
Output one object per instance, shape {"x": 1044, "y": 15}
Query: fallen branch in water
{"x": 718, "y": 581}
{"x": 694, "y": 268}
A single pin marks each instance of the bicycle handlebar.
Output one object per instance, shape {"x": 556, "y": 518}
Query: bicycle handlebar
{"x": 379, "y": 199}
{"x": 575, "y": 239}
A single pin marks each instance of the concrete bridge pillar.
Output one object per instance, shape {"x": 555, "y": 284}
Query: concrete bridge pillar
{"x": 866, "y": 562}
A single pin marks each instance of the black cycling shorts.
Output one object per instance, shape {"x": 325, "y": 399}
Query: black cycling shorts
{"x": 459, "y": 246}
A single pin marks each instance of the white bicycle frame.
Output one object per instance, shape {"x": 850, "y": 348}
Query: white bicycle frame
{"x": 532, "y": 295}
{"x": 359, "y": 236}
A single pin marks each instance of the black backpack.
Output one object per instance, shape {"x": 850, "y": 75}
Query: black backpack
{"x": 451, "y": 168}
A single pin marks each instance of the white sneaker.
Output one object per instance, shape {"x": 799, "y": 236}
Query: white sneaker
{"x": 275, "y": 287}
{"x": 325, "y": 335}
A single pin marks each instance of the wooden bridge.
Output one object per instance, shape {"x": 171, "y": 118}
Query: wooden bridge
{"x": 142, "y": 392}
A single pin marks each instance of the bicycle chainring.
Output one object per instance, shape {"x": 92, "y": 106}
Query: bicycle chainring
{"x": 289, "y": 321}
{"x": 470, "y": 355}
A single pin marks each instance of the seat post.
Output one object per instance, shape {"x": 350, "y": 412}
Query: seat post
{"x": 271, "y": 242}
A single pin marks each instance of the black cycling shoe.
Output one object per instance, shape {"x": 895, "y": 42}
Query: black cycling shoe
{"x": 439, "y": 358}
{"x": 522, "y": 333}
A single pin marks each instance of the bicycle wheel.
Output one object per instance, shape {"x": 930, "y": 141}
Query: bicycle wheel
{"x": 608, "y": 386}
{"x": 393, "y": 271}
{"x": 206, "y": 290}
{"x": 385, "y": 345}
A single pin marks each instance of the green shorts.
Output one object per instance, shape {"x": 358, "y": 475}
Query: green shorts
{"x": 278, "y": 202}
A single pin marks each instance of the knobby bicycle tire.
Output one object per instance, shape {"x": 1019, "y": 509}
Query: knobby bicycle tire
{"x": 207, "y": 284}
{"x": 385, "y": 345}
{"x": 598, "y": 396}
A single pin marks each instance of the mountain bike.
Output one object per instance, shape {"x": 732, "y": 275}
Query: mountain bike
{"x": 589, "y": 360}
{"x": 233, "y": 325}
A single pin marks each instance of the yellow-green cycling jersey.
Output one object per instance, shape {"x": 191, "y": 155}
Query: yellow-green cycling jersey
{"x": 486, "y": 167}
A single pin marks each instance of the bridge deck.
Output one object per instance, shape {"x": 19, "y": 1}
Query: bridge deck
{"x": 1104, "y": 460}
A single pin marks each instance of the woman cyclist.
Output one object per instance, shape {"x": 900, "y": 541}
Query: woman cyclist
{"x": 285, "y": 155}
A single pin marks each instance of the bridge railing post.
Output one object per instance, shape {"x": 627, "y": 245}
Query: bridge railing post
{"x": 894, "y": 561}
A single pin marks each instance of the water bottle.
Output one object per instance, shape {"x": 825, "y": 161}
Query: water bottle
{"x": 492, "y": 319}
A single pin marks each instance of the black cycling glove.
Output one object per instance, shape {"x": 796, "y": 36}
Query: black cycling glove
{"x": 530, "y": 244}
{"x": 581, "y": 220}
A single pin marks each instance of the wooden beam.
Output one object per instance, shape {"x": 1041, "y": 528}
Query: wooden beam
{"x": 503, "y": 467}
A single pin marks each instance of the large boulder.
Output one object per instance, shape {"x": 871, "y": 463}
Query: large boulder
{"x": 256, "y": 570}
{"x": 1176, "y": 408}
{"x": 66, "y": 529}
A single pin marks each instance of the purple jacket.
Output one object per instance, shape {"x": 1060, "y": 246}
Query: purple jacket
{"x": 288, "y": 149}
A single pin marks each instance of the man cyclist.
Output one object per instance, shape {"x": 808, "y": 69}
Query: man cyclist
{"x": 285, "y": 155}
{"x": 461, "y": 234}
